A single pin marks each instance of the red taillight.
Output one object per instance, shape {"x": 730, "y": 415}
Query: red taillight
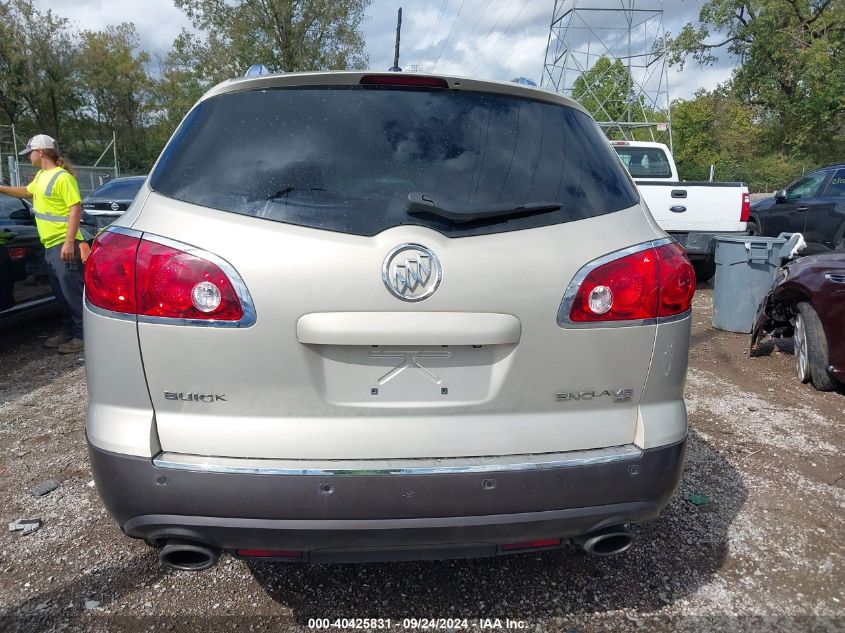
{"x": 626, "y": 288}
{"x": 135, "y": 276}
{"x": 110, "y": 272}
{"x": 548, "y": 542}
{"x": 17, "y": 253}
{"x": 397, "y": 79}
{"x": 746, "y": 208}
{"x": 167, "y": 279}
{"x": 655, "y": 282}
{"x": 677, "y": 280}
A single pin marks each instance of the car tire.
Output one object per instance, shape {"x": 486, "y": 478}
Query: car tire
{"x": 811, "y": 349}
{"x": 704, "y": 269}
{"x": 751, "y": 228}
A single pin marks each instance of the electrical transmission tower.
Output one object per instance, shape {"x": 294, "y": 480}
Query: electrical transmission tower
{"x": 629, "y": 35}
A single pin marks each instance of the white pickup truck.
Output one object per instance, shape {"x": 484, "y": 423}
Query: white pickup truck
{"x": 691, "y": 212}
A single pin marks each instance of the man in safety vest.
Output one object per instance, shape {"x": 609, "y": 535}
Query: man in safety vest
{"x": 58, "y": 211}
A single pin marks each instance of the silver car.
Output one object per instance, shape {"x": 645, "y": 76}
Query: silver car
{"x": 356, "y": 317}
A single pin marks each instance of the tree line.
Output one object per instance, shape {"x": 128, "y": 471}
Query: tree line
{"x": 782, "y": 111}
{"x": 79, "y": 87}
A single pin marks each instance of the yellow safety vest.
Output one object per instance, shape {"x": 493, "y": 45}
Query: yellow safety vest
{"x": 52, "y": 199}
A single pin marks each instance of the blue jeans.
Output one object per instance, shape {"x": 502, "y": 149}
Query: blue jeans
{"x": 68, "y": 282}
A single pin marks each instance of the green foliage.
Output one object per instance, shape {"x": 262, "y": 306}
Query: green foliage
{"x": 117, "y": 89}
{"x": 716, "y": 128}
{"x": 36, "y": 66}
{"x": 288, "y": 35}
{"x": 79, "y": 87}
{"x": 606, "y": 91}
{"x": 790, "y": 67}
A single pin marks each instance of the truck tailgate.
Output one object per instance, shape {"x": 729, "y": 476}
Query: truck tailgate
{"x": 695, "y": 206}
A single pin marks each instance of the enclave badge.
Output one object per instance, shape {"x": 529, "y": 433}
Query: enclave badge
{"x": 618, "y": 395}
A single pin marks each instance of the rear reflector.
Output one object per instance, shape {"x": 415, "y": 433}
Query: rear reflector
{"x": 647, "y": 284}
{"x": 268, "y": 553}
{"x": 548, "y": 542}
{"x": 413, "y": 81}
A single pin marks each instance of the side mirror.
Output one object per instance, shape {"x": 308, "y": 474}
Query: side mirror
{"x": 780, "y": 195}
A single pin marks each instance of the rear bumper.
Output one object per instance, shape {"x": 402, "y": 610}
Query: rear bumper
{"x": 349, "y": 515}
{"x": 700, "y": 244}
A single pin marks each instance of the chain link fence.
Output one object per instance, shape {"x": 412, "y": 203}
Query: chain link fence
{"x": 89, "y": 178}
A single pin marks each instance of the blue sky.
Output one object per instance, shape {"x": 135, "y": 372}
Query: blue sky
{"x": 492, "y": 39}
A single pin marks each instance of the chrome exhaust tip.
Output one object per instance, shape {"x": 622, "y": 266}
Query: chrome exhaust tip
{"x": 188, "y": 556}
{"x": 608, "y": 541}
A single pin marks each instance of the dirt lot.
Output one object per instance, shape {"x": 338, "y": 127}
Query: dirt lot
{"x": 766, "y": 552}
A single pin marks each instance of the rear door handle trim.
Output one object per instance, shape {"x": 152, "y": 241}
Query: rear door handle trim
{"x": 678, "y": 208}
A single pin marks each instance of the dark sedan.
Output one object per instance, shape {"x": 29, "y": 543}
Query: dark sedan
{"x": 813, "y": 205}
{"x": 808, "y": 304}
{"x": 24, "y": 286}
{"x": 110, "y": 201}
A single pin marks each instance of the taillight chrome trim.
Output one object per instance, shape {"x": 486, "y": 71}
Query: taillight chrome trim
{"x": 249, "y": 317}
{"x": 565, "y": 308}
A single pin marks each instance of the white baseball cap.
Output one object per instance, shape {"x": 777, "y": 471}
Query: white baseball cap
{"x": 39, "y": 141}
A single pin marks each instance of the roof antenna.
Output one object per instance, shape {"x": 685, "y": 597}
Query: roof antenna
{"x": 396, "y": 68}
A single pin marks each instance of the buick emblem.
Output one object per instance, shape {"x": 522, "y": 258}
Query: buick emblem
{"x": 115, "y": 206}
{"x": 411, "y": 272}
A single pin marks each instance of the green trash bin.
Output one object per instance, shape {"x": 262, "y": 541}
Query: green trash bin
{"x": 746, "y": 266}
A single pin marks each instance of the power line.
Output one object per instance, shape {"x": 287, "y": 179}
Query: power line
{"x": 505, "y": 32}
{"x": 498, "y": 19}
{"x": 434, "y": 32}
{"x": 448, "y": 35}
{"x": 481, "y": 15}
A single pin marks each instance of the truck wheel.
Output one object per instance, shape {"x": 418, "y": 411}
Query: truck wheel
{"x": 704, "y": 269}
{"x": 811, "y": 349}
{"x": 751, "y": 228}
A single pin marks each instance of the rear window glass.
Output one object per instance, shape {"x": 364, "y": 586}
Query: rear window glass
{"x": 836, "y": 186}
{"x": 648, "y": 162}
{"x": 346, "y": 159}
{"x": 118, "y": 190}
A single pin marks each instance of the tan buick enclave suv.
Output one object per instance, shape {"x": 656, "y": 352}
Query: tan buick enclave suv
{"x": 357, "y": 317}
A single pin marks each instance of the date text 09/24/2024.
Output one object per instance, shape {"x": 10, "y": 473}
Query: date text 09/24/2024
{"x": 417, "y": 623}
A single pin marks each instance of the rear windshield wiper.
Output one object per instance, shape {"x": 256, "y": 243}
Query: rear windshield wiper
{"x": 420, "y": 203}
{"x": 283, "y": 192}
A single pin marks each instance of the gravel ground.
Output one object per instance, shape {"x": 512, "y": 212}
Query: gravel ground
{"x": 765, "y": 554}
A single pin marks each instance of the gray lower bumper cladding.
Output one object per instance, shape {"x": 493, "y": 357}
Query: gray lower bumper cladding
{"x": 353, "y": 517}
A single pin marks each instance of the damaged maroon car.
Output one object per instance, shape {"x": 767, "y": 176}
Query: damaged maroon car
{"x": 807, "y": 303}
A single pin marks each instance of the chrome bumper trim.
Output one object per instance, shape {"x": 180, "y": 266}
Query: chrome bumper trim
{"x": 360, "y": 468}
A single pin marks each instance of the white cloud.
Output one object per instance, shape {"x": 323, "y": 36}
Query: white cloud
{"x": 493, "y": 39}
{"x": 158, "y": 21}
{"x": 496, "y": 54}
